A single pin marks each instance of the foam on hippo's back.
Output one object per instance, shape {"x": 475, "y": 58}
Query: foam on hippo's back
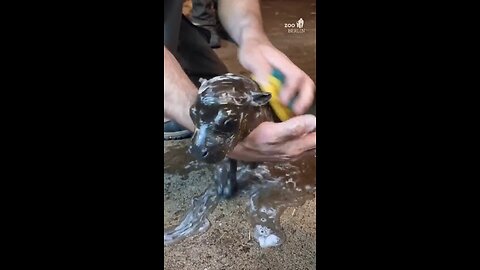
{"x": 226, "y": 89}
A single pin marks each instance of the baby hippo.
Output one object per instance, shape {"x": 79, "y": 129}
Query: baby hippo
{"x": 227, "y": 109}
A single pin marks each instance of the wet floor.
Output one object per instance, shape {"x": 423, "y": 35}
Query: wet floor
{"x": 229, "y": 243}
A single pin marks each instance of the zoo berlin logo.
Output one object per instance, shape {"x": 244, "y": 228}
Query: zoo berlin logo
{"x": 295, "y": 28}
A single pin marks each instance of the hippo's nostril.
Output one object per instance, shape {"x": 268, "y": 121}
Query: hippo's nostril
{"x": 205, "y": 153}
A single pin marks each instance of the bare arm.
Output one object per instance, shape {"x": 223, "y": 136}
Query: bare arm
{"x": 242, "y": 19}
{"x": 179, "y": 92}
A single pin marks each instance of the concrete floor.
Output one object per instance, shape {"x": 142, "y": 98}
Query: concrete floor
{"x": 226, "y": 245}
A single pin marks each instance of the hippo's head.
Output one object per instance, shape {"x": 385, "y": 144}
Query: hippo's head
{"x": 224, "y": 107}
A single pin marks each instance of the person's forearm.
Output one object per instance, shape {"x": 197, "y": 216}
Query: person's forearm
{"x": 242, "y": 19}
{"x": 179, "y": 92}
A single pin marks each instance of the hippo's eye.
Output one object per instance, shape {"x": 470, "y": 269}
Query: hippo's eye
{"x": 228, "y": 125}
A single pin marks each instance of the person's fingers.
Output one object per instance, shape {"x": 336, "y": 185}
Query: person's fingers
{"x": 305, "y": 96}
{"x": 292, "y": 73}
{"x": 291, "y": 86}
{"x": 290, "y": 150}
{"x": 311, "y": 153}
{"x": 263, "y": 135}
{"x": 294, "y": 127}
{"x": 246, "y": 152}
{"x": 275, "y": 148}
{"x": 307, "y": 142}
{"x": 297, "y": 147}
{"x": 269, "y": 133}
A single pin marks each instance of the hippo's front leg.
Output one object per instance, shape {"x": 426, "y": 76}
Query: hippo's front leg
{"x": 226, "y": 177}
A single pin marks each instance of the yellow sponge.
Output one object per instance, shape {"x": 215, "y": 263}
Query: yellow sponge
{"x": 274, "y": 86}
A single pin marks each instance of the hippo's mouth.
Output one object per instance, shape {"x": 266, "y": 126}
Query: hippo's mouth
{"x": 207, "y": 147}
{"x": 207, "y": 156}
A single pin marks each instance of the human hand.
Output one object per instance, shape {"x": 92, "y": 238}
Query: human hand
{"x": 285, "y": 141}
{"x": 261, "y": 57}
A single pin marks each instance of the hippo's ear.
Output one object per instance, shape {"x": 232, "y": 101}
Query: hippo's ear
{"x": 260, "y": 98}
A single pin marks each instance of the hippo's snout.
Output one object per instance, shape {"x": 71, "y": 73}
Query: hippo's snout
{"x": 207, "y": 147}
{"x": 206, "y": 155}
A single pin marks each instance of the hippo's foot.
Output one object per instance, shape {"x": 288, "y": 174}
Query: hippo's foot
{"x": 226, "y": 191}
{"x": 226, "y": 178}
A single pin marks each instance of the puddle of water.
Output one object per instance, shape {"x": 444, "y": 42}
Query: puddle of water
{"x": 177, "y": 161}
{"x": 269, "y": 189}
{"x": 195, "y": 220}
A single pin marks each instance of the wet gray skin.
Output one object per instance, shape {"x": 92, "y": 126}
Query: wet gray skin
{"x": 227, "y": 109}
